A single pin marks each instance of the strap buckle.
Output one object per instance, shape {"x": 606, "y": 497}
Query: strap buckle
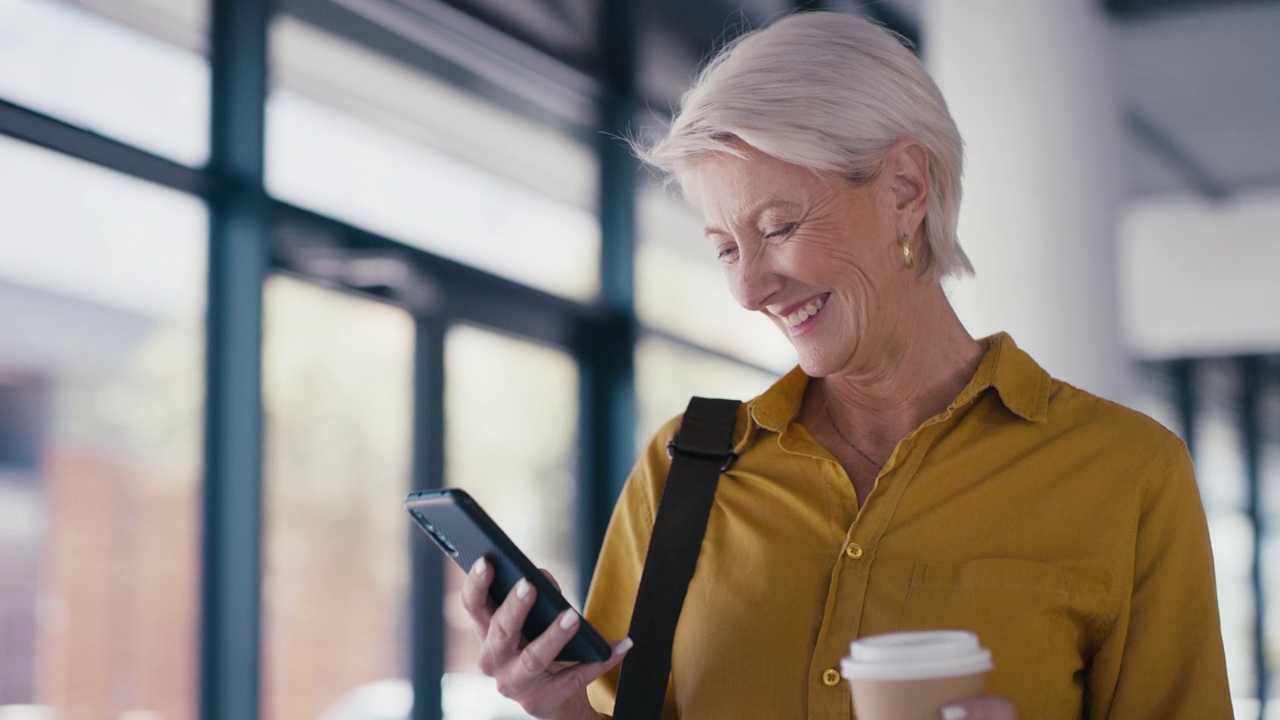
{"x": 727, "y": 457}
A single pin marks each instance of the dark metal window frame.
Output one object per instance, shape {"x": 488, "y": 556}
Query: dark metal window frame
{"x": 1258, "y": 374}
{"x": 252, "y": 235}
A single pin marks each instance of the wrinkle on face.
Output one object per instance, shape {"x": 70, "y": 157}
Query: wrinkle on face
{"x": 842, "y": 245}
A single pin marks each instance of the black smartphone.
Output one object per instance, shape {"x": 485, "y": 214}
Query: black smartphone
{"x": 465, "y": 532}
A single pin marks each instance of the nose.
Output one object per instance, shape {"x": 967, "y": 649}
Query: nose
{"x": 755, "y": 282}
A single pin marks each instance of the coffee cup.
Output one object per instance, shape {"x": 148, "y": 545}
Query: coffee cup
{"x": 913, "y": 675}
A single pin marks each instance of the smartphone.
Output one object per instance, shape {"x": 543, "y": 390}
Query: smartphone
{"x": 465, "y": 532}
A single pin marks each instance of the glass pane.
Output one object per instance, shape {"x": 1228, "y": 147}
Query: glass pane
{"x": 1220, "y": 461}
{"x": 680, "y": 288}
{"x": 568, "y": 30}
{"x": 1221, "y": 472}
{"x": 512, "y": 412}
{"x": 1269, "y": 477}
{"x": 101, "y": 422}
{"x": 130, "y": 69}
{"x": 360, "y": 137}
{"x": 667, "y": 375}
{"x": 338, "y": 389}
{"x": 1155, "y": 395}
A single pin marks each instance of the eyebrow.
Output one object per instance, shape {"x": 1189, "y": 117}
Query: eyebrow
{"x": 755, "y": 213}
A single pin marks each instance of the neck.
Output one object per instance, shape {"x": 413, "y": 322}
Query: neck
{"x": 923, "y": 366}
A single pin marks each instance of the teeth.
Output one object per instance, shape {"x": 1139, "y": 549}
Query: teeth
{"x": 803, "y": 313}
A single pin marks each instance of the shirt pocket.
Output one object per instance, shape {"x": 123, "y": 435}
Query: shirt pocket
{"x": 1024, "y": 612}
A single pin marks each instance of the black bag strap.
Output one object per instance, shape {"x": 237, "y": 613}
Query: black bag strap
{"x": 700, "y": 451}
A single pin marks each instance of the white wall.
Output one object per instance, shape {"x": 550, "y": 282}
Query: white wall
{"x": 1200, "y": 278}
{"x": 1032, "y": 88}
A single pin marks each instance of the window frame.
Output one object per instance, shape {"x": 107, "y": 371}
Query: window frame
{"x": 253, "y": 235}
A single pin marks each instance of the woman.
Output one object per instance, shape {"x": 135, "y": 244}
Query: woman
{"x": 904, "y": 475}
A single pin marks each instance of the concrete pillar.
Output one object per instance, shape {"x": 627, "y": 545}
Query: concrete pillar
{"x": 1032, "y": 87}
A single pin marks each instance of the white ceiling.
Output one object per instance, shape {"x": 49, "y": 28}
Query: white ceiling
{"x": 1200, "y": 85}
{"x": 1207, "y": 82}
{"x": 1200, "y": 78}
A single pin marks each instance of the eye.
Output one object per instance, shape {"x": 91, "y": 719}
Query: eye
{"x": 726, "y": 252}
{"x": 781, "y": 231}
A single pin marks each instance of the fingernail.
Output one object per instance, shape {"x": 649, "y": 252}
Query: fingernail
{"x": 522, "y": 589}
{"x": 568, "y": 619}
{"x": 623, "y": 645}
{"x": 954, "y": 712}
{"x": 480, "y": 566}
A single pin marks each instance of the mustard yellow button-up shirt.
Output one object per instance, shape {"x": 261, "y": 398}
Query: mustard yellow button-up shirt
{"x": 1063, "y": 529}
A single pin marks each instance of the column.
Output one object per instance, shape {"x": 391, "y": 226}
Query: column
{"x": 1032, "y": 86}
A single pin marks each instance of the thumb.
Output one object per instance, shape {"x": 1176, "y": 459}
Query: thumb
{"x": 552, "y": 578}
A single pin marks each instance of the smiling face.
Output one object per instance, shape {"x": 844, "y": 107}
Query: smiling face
{"x": 819, "y": 256}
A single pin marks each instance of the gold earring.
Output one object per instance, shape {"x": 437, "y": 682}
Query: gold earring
{"x": 906, "y": 252}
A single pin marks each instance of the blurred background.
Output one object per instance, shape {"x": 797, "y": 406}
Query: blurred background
{"x": 266, "y": 267}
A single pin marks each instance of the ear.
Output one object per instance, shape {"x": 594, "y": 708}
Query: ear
{"x": 907, "y": 167}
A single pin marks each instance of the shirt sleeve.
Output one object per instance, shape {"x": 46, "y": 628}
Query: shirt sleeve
{"x": 1163, "y": 657}
{"x": 626, "y": 543}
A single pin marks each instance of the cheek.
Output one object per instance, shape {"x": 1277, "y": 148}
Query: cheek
{"x": 832, "y": 263}
{"x": 733, "y": 283}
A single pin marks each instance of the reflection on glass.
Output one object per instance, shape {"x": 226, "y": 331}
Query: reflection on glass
{"x": 337, "y": 386}
{"x": 667, "y": 375}
{"x": 680, "y": 288}
{"x": 1220, "y": 461}
{"x": 101, "y": 388}
{"x": 1154, "y": 396}
{"x": 1269, "y": 465}
{"x": 362, "y": 138}
{"x": 512, "y": 413}
{"x": 130, "y": 69}
{"x": 1220, "y": 470}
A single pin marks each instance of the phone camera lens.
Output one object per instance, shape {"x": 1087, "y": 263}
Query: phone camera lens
{"x": 444, "y": 543}
{"x": 435, "y": 534}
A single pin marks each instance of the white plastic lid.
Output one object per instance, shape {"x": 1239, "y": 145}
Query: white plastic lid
{"x": 915, "y": 655}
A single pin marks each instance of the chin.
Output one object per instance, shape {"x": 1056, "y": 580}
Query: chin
{"x": 814, "y": 365}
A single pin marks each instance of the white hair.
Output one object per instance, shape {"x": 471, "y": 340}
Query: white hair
{"x": 831, "y": 92}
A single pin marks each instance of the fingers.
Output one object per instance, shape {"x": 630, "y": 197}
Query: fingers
{"x": 552, "y": 578}
{"x": 583, "y": 675}
{"x": 987, "y": 707}
{"x": 503, "y": 640}
{"x": 539, "y": 656}
{"x": 475, "y": 596}
{"x": 557, "y": 688}
{"x": 528, "y": 672}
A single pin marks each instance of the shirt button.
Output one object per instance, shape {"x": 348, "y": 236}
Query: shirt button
{"x": 854, "y": 551}
{"x": 831, "y": 677}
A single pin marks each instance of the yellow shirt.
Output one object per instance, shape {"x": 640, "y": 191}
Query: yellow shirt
{"x": 1063, "y": 529}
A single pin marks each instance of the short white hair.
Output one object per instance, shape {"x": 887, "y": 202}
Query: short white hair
{"x": 832, "y": 92}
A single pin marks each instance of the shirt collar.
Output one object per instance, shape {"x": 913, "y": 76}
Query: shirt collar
{"x": 776, "y": 407}
{"x": 1020, "y": 383}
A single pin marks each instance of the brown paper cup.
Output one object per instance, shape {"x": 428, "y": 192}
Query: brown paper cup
{"x": 913, "y": 675}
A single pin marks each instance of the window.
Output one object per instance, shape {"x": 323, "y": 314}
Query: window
{"x": 512, "y": 410}
{"x": 131, "y": 69}
{"x": 681, "y": 290}
{"x": 1156, "y": 395}
{"x": 360, "y": 137}
{"x": 338, "y": 389}
{"x": 668, "y": 374}
{"x": 101, "y": 387}
{"x": 102, "y": 378}
{"x": 1269, "y": 497}
{"x": 1223, "y": 478}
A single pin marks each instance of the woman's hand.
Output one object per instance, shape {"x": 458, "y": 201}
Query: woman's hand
{"x": 987, "y": 707}
{"x": 528, "y": 672}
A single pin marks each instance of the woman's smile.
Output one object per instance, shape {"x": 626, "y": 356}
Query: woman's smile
{"x": 800, "y": 319}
